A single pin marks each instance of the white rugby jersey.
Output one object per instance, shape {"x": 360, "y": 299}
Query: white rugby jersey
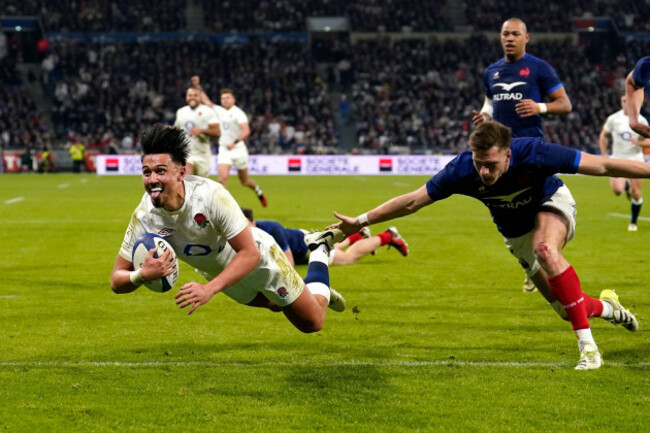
{"x": 199, "y": 230}
{"x": 201, "y": 117}
{"x": 229, "y": 121}
{"x": 618, "y": 124}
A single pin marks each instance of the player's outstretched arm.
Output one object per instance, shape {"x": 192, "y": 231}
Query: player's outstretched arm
{"x": 593, "y": 165}
{"x": 634, "y": 97}
{"x": 394, "y": 208}
{"x": 603, "y": 141}
{"x": 196, "y": 83}
{"x": 244, "y": 262}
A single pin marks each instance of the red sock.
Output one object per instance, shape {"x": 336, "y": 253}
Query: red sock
{"x": 594, "y": 306}
{"x": 385, "y": 238}
{"x": 566, "y": 288}
{"x": 355, "y": 237}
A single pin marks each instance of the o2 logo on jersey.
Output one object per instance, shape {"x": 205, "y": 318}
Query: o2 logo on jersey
{"x": 225, "y": 126}
{"x": 191, "y": 250}
{"x": 626, "y": 135}
{"x": 189, "y": 125}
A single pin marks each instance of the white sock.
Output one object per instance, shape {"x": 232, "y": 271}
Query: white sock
{"x": 258, "y": 190}
{"x": 319, "y": 289}
{"x": 608, "y": 311}
{"x": 320, "y": 254}
{"x": 584, "y": 338}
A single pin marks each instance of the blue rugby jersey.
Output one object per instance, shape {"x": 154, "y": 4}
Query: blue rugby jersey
{"x": 507, "y": 83}
{"x": 641, "y": 74}
{"x": 292, "y": 239}
{"x": 516, "y": 197}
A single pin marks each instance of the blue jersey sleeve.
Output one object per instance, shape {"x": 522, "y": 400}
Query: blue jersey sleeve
{"x": 641, "y": 73}
{"x": 486, "y": 83}
{"x": 556, "y": 158}
{"x": 548, "y": 79}
{"x": 441, "y": 185}
{"x": 276, "y": 230}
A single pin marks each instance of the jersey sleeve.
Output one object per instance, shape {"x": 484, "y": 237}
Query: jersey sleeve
{"x": 177, "y": 123}
{"x": 486, "y": 84}
{"x": 133, "y": 232}
{"x": 548, "y": 80}
{"x": 641, "y": 72}
{"x": 228, "y": 217}
{"x": 441, "y": 185}
{"x": 241, "y": 117}
{"x": 557, "y": 159}
{"x": 609, "y": 124}
{"x": 211, "y": 116}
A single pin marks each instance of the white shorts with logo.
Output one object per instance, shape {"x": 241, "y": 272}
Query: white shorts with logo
{"x": 237, "y": 156}
{"x": 274, "y": 277}
{"x": 522, "y": 247}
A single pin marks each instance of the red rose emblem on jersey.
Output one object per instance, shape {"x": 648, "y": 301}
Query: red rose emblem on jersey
{"x": 524, "y": 72}
{"x": 201, "y": 220}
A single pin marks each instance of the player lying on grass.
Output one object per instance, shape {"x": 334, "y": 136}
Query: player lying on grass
{"x": 533, "y": 210}
{"x": 206, "y": 228}
{"x": 346, "y": 252}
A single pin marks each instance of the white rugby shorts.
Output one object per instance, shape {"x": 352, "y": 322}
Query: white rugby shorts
{"x": 522, "y": 247}
{"x": 237, "y": 156}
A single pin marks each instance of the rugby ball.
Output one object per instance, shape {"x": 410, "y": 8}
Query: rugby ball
{"x": 145, "y": 243}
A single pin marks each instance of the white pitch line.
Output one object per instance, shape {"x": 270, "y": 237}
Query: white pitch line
{"x": 14, "y": 200}
{"x": 63, "y": 185}
{"x": 622, "y": 215}
{"x": 315, "y": 364}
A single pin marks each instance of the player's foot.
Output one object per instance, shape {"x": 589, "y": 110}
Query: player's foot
{"x": 398, "y": 242}
{"x": 529, "y": 286}
{"x": 262, "y": 198}
{"x": 590, "y": 358}
{"x": 337, "y": 301}
{"x": 632, "y": 227}
{"x": 621, "y": 315}
{"x": 328, "y": 237}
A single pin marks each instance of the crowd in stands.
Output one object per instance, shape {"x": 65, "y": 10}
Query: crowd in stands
{"x": 19, "y": 123}
{"x": 291, "y": 16}
{"x": 557, "y": 16}
{"x": 120, "y": 88}
{"x": 102, "y": 16}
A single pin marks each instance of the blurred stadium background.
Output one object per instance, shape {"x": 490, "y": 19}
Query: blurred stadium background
{"x": 317, "y": 77}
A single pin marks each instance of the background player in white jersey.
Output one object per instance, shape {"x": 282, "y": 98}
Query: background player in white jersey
{"x": 234, "y": 130}
{"x": 207, "y": 229}
{"x": 200, "y": 123}
{"x": 626, "y": 144}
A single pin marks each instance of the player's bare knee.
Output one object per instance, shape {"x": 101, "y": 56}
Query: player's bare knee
{"x": 311, "y": 325}
{"x": 545, "y": 254}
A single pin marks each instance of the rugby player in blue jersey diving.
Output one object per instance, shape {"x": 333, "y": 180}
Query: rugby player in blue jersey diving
{"x": 533, "y": 210}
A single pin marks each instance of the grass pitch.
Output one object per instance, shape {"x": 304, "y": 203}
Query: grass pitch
{"x": 443, "y": 340}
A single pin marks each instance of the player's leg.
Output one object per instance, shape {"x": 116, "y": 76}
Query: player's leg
{"x": 359, "y": 249}
{"x": 308, "y": 311}
{"x": 250, "y": 183}
{"x": 617, "y": 184}
{"x": 223, "y": 171}
{"x": 636, "y": 201}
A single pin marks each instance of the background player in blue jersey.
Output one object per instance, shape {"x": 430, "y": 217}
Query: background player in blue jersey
{"x": 533, "y": 210}
{"x": 638, "y": 82}
{"x": 515, "y": 88}
{"x": 516, "y": 85}
{"x": 346, "y": 252}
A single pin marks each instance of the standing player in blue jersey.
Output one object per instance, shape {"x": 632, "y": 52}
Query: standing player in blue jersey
{"x": 515, "y": 88}
{"x": 638, "y": 82}
{"x": 533, "y": 210}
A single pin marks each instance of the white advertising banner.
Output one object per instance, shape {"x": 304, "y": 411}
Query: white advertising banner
{"x": 425, "y": 165}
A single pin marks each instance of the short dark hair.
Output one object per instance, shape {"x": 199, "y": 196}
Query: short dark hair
{"x": 227, "y": 90}
{"x": 516, "y": 19}
{"x": 489, "y": 134}
{"x": 248, "y": 213}
{"x": 161, "y": 138}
